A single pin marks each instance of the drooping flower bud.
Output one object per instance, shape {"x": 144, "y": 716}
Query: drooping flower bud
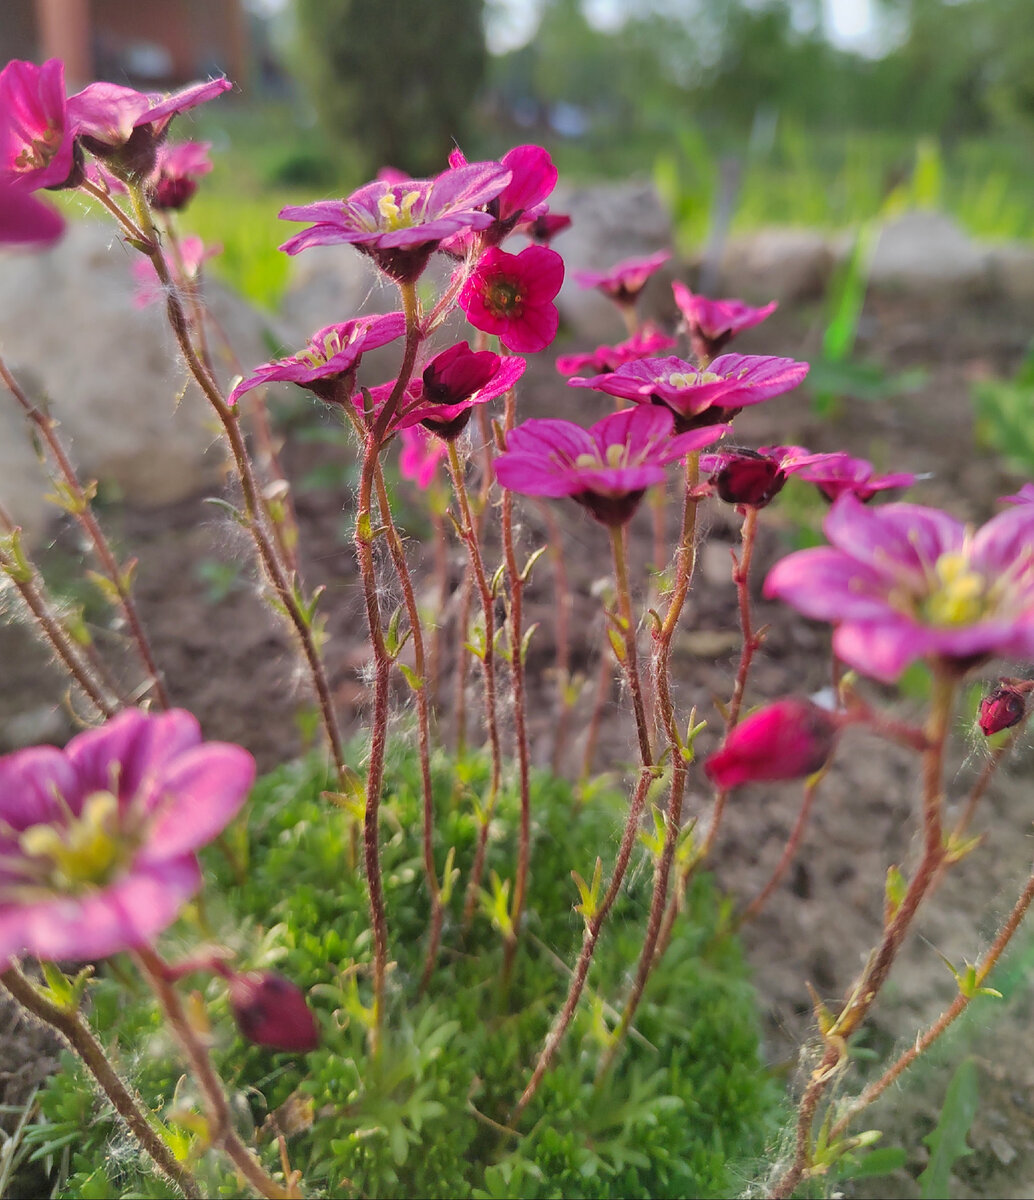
{"x": 790, "y": 739}
{"x": 1002, "y": 708}
{"x": 271, "y": 1011}
{"x": 742, "y": 476}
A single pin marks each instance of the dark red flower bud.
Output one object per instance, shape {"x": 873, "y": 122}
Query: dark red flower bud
{"x": 790, "y": 739}
{"x": 1001, "y": 708}
{"x": 747, "y": 477}
{"x": 271, "y": 1011}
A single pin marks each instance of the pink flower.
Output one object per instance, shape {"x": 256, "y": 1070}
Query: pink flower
{"x": 790, "y": 739}
{"x": 400, "y": 225}
{"x": 695, "y": 396}
{"x": 98, "y": 840}
{"x": 453, "y": 382}
{"x": 606, "y": 468}
{"x": 755, "y": 477}
{"x": 36, "y": 137}
{"x": 711, "y": 323}
{"x": 839, "y": 473}
{"x": 1002, "y": 708}
{"x": 1024, "y": 496}
{"x": 544, "y": 227}
{"x": 624, "y": 282}
{"x": 644, "y": 344}
{"x": 184, "y": 267}
{"x": 421, "y": 453}
{"x": 903, "y": 582}
{"x": 271, "y": 1011}
{"x": 177, "y": 169}
{"x": 512, "y": 295}
{"x": 25, "y": 221}
{"x": 532, "y": 179}
{"x": 327, "y": 365}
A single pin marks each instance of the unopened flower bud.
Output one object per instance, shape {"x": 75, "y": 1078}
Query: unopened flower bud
{"x": 1001, "y": 708}
{"x": 747, "y": 477}
{"x": 271, "y": 1011}
{"x": 790, "y": 739}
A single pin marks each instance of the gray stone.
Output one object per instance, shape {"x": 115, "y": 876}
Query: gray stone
{"x": 927, "y": 252}
{"x": 110, "y": 374}
{"x": 1012, "y": 270}
{"x": 777, "y": 264}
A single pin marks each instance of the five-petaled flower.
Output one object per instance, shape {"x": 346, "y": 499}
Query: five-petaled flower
{"x": 98, "y": 840}
{"x": 36, "y": 141}
{"x": 904, "y": 582}
{"x": 400, "y": 225}
{"x": 712, "y": 323}
{"x": 839, "y": 473}
{"x": 623, "y": 282}
{"x": 607, "y": 468}
{"x": 512, "y": 295}
{"x": 700, "y": 397}
{"x": 789, "y": 739}
{"x": 328, "y": 364}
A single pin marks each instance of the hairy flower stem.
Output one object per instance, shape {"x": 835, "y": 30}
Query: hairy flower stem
{"x": 255, "y": 511}
{"x": 685, "y": 562}
{"x": 468, "y": 534}
{"x": 789, "y": 850}
{"x": 221, "y": 1132}
{"x": 81, "y": 661}
{"x": 865, "y": 991}
{"x": 76, "y": 501}
{"x": 562, "y": 666}
{"x": 71, "y": 1026}
{"x": 593, "y": 925}
{"x": 751, "y": 640}
{"x": 419, "y": 688}
{"x": 517, "y": 648}
{"x": 627, "y": 630}
{"x": 951, "y": 1014}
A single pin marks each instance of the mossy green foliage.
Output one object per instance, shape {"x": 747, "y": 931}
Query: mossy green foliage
{"x": 686, "y": 1106}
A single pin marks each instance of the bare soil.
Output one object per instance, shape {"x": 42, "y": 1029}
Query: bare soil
{"x": 227, "y": 659}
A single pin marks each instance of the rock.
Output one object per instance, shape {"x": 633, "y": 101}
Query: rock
{"x": 610, "y": 222}
{"x": 777, "y": 264}
{"x": 1012, "y": 271}
{"x": 110, "y": 374}
{"x": 928, "y": 253}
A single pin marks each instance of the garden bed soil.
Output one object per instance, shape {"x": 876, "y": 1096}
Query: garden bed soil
{"x": 228, "y": 660}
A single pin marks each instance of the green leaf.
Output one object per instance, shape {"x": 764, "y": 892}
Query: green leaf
{"x": 947, "y": 1142}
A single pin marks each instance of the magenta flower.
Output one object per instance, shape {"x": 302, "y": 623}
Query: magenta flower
{"x": 25, "y": 221}
{"x": 400, "y": 225}
{"x": 532, "y": 179}
{"x": 624, "y": 282}
{"x": 98, "y": 840}
{"x": 177, "y": 169}
{"x": 544, "y": 227}
{"x": 36, "y": 136}
{"x": 607, "y": 468}
{"x": 421, "y": 453}
{"x": 1024, "y": 496}
{"x": 790, "y": 739}
{"x": 646, "y": 343}
{"x": 185, "y": 268}
{"x": 698, "y": 397}
{"x": 1002, "y": 708}
{"x": 271, "y": 1011}
{"x": 512, "y": 295}
{"x": 712, "y": 323}
{"x": 839, "y": 473}
{"x": 755, "y": 477}
{"x": 456, "y": 380}
{"x": 328, "y": 364}
{"x": 903, "y": 582}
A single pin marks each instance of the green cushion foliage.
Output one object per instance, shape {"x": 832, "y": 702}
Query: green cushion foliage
{"x": 685, "y": 1107}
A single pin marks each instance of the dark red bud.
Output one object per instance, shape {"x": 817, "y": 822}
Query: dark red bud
{"x": 746, "y": 477}
{"x": 1001, "y": 709}
{"x": 271, "y": 1011}
{"x": 790, "y": 739}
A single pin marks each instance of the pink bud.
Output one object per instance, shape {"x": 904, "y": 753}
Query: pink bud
{"x": 1001, "y": 709}
{"x": 271, "y": 1011}
{"x": 789, "y": 739}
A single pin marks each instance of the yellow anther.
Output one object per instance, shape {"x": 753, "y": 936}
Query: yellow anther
{"x": 961, "y": 595}
{"x": 615, "y": 455}
{"x": 397, "y": 216}
{"x": 682, "y": 379}
{"x": 86, "y": 851}
{"x": 587, "y": 462}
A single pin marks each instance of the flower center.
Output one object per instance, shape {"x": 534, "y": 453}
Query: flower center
{"x": 961, "y": 596}
{"x": 39, "y": 151}
{"x": 84, "y": 853}
{"x": 681, "y": 379}
{"x": 614, "y": 456}
{"x": 503, "y": 297}
{"x": 397, "y": 216}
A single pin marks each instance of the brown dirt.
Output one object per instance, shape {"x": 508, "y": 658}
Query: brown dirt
{"x": 227, "y": 659}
